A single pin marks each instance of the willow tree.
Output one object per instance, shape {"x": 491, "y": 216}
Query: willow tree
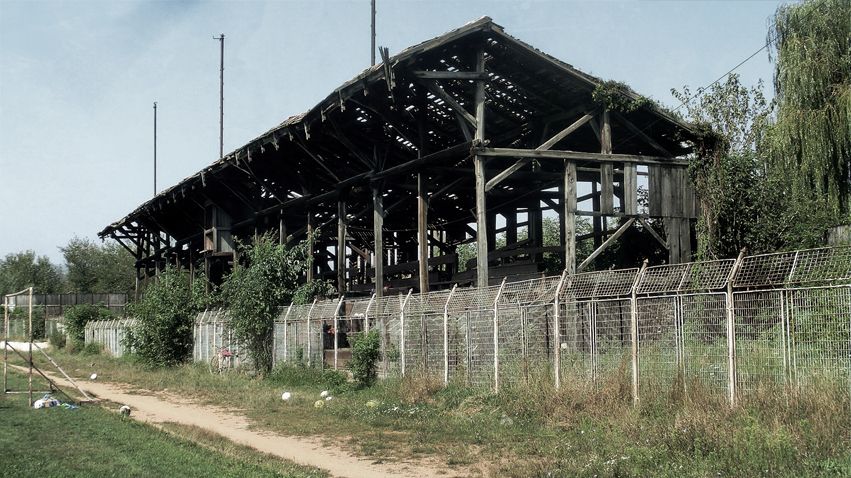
{"x": 811, "y": 139}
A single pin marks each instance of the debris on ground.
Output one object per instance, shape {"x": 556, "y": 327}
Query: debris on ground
{"x": 124, "y": 410}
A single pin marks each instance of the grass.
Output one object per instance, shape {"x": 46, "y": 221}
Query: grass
{"x": 528, "y": 430}
{"x": 92, "y": 441}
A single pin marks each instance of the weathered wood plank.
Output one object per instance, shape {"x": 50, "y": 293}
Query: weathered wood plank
{"x": 569, "y": 216}
{"x": 481, "y": 210}
{"x": 630, "y": 188}
{"x": 614, "y": 237}
{"x": 577, "y": 155}
{"x": 451, "y": 75}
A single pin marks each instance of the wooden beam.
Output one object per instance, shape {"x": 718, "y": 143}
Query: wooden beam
{"x": 641, "y": 134}
{"x": 341, "y": 247}
{"x": 451, "y": 75}
{"x": 378, "y": 238}
{"x": 570, "y": 217}
{"x": 310, "y": 246}
{"x": 652, "y": 231}
{"x": 607, "y": 192}
{"x": 614, "y": 237}
{"x": 577, "y": 156}
{"x": 630, "y": 188}
{"x": 548, "y": 144}
{"x": 422, "y": 232}
{"x": 449, "y": 100}
{"x": 479, "y": 161}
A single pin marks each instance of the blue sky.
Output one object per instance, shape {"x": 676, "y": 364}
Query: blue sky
{"x": 78, "y": 79}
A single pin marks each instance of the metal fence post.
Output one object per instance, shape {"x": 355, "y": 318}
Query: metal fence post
{"x": 307, "y": 333}
{"x": 286, "y": 331}
{"x": 336, "y": 332}
{"x": 446, "y": 336}
{"x": 557, "y": 331}
{"x": 366, "y": 313}
{"x": 496, "y": 337}
{"x": 633, "y": 305}
{"x": 402, "y": 332}
{"x": 731, "y": 331}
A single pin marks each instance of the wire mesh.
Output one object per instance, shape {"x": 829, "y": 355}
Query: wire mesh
{"x": 599, "y": 284}
{"x": 659, "y": 339}
{"x": 704, "y": 341}
{"x": 761, "y": 338}
{"x": 820, "y": 337}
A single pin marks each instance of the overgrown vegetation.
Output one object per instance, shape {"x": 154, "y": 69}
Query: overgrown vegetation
{"x": 532, "y": 429}
{"x": 266, "y": 279}
{"x": 97, "y": 442}
{"x": 76, "y": 318}
{"x": 366, "y": 352}
{"x": 166, "y": 313}
{"x": 776, "y": 175}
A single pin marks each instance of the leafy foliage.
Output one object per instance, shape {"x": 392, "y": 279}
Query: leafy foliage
{"x": 617, "y": 96}
{"x": 94, "y": 268}
{"x": 253, "y": 292}
{"x": 76, "y": 318}
{"x": 21, "y": 316}
{"x": 366, "y": 352}
{"x": 25, "y": 269}
{"x": 166, "y": 312}
{"x": 811, "y": 139}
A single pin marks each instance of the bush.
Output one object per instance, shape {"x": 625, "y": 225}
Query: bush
{"x": 299, "y": 376}
{"x": 92, "y": 349}
{"x": 78, "y": 316}
{"x": 165, "y": 313}
{"x": 57, "y": 339}
{"x": 366, "y": 352}
{"x": 266, "y": 280}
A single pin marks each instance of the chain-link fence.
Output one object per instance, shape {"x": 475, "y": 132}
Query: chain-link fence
{"x": 729, "y": 328}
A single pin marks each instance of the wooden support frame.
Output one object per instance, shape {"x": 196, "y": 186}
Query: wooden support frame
{"x": 378, "y": 239}
{"x": 479, "y": 162}
{"x": 341, "y": 247}
{"x": 614, "y": 237}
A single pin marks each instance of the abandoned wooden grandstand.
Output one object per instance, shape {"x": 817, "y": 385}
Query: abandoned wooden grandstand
{"x": 462, "y": 139}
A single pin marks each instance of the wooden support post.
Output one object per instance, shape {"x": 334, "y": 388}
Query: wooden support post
{"x": 341, "y": 247}
{"x": 569, "y": 217}
{"x": 596, "y": 221}
{"x": 422, "y": 232}
{"x": 511, "y": 226}
{"x": 481, "y": 210}
{"x": 633, "y": 314}
{"x": 606, "y": 169}
{"x": 378, "y": 235}
{"x": 630, "y": 188}
{"x": 310, "y": 246}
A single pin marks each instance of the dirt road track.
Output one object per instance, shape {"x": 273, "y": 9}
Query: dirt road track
{"x": 157, "y": 409}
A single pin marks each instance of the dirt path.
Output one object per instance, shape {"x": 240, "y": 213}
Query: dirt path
{"x": 161, "y": 409}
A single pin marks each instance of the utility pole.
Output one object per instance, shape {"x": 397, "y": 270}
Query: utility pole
{"x": 221, "y": 39}
{"x": 372, "y": 51}
{"x": 155, "y": 148}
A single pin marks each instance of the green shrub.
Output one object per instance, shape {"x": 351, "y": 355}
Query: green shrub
{"x": 163, "y": 336}
{"x": 21, "y": 315}
{"x": 57, "y": 339}
{"x": 78, "y": 316}
{"x": 366, "y": 352}
{"x": 93, "y": 348}
{"x": 266, "y": 279}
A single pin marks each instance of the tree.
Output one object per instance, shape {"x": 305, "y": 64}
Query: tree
{"x": 166, "y": 313}
{"x": 266, "y": 278}
{"x": 24, "y": 269}
{"x": 95, "y": 268}
{"x": 728, "y": 171}
{"x": 811, "y": 139}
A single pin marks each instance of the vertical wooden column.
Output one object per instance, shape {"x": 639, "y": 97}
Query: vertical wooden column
{"x": 630, "y": 188}
{"x": 569, "y": 216}
{"x": 378, "y": 234}
{"x": 310, "y": 246}
{"x": 607, "y": 190}
{"x": 479, "y": 161}
{"x": 511, "y": 226}
{"x": 597, "y": 220}
{"x": 341, "y": 247}
{"x": 422, "y": 232}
